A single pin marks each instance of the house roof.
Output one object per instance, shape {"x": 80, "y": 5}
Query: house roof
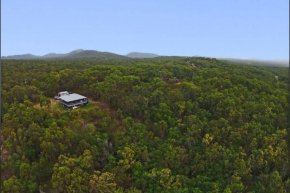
{"x": 72, "y": 97}
{"x": 62, "y": 93}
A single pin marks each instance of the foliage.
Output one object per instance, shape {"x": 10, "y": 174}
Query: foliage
{"x": 157, "y": 125}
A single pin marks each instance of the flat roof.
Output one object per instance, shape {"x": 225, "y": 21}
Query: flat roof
{"x": 64, "y": 92}
{"x": 72, "y": 97}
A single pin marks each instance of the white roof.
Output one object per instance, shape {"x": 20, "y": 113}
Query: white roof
{"x": 64, "y": 92}
{"x": 72, "y": 97}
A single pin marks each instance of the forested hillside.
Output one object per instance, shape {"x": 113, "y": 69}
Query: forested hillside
{"x": 153, "y": 125}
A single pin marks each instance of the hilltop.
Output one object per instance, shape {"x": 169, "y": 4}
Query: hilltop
{"x": 79, "y": 53}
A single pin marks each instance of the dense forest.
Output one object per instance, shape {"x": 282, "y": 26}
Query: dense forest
{"x": 168, "y": 124}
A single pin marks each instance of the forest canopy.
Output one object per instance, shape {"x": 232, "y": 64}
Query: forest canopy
{"x": 152, "y": 125}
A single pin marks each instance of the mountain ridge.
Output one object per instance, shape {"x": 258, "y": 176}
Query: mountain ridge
{"x": 79, "y": 53}
{"x": 93, "y": 54}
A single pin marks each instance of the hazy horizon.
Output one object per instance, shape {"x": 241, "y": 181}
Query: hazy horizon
{"x": 227, "y": 29}
{"x": 218, "y": 57}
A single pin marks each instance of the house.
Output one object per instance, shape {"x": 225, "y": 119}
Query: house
{"x": 71, "y": 100}
{"x": 62, "y": 93}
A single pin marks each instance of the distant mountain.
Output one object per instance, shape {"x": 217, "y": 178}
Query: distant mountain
{"x": 52, "y": 55}
{"x": 257, "y": 62}
{"x": 141, "y": 55}
{"x": 93, "y": 54}
{"x": 75, "y": 51}
{"x": 80, "y": 53}
{"x": 23, "y": 56}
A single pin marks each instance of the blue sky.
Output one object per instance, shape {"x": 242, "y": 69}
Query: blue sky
{"x": 217, "y": 28}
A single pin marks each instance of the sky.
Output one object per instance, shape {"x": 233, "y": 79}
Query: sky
{"x": 218, "y": 28}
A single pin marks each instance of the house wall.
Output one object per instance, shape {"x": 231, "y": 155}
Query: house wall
{"x": 74, "y": 103}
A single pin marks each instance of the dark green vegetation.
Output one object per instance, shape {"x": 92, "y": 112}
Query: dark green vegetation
{"x": 157, "y": 125}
